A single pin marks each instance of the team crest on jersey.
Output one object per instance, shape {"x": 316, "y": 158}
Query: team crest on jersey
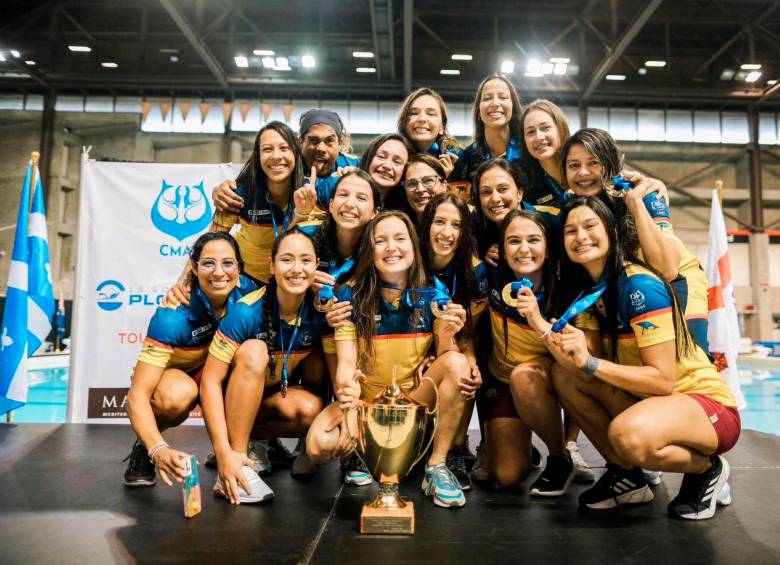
{"x": 305, "y": 338}
{"x": 637, "y": 300}
{"x": 483, "y": 286}
{"x": 181, "y": 210}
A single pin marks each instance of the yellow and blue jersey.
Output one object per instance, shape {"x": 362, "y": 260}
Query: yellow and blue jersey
{"x": 325, "y": 187}
{"x": 644, "y": 318}
{"x": 329, "y": 265}
{"x": 179, "y": 336}
{"x": 544, "y": 190}
{"x": 477, "y": 153}
{"x": 449, "y": 278}
{"x": 245, "y": 321}
{"x": 261, "y": 223}
{"x": 514, "y": 340}
{"x": 402, "y": 339}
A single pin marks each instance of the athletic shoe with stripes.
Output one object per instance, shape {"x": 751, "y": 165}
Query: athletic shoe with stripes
{"x": 582, "y": 471}
{"x": 258, "y": 490}
{"x": 699, "y": 494}
{"x": 556, "y": 477}
{"x": 617, "y": 487}
{"x": 442, "y": 484}
{"x": 140, "y": 470}
{"x": 456, "y": 462}
{"x": 356, "y": 473}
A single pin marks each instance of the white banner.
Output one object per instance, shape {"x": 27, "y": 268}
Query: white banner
{"x": 136, "y": 224}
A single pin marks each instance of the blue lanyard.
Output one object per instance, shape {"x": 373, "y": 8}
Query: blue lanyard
{"x": 273, "y": 217}
{"x": 512, "y": 153}
{"x": 440, "y": 295}
{"x": 326, "y": 292}
{"x": 510, "y": 290}
{"x": 286, "y": 358}
{"x": 580, "y": 304}
{"x": 407, "y": 295}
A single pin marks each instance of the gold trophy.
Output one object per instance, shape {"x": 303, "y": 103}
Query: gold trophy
{"x": 390, "y": 439}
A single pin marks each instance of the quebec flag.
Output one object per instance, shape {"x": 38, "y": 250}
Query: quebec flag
{"x": 29, "y": 303}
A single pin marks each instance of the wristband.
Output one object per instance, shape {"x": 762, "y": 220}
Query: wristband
{"x": 546, "y": 333}
{"x": 591, "y": 365}
{"x": 156, "y": 449}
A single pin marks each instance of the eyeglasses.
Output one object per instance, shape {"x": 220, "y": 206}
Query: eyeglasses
{"x": 228, "y": 265}
{"x": 426, "y": 182}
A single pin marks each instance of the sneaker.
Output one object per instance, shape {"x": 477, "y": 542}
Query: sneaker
{"x": 555, "y": 478}
{"x": 468, "y": 456}
{"x": 653, "y": 478}
{"x": 258, "y": 453}
{"x": 617, "y": 487}
{"x": 356, "y": 473}
{"x": 479, "y": 471}
{"x": 536, "y": 458}
{"x": 582, "y": 471}
{"x": 456, "y": 463}
{"x": 211, "y": 460}
{"x": 278, "y": 453}
{"x": 260, "y": 492}
{"x": 302, "y": 466}
{"x": 140, "y": 470}
{"x": 699, "y": 493}
{"x": 442, "y": 484}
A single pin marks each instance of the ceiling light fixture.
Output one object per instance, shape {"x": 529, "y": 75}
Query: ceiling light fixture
{"x": 750, "y": 67}
{"x": 109, "y": 65}
{"x": 753, "y": 76}
{"x": 507, "y": 66}
{"x": 241, "y": 61}
{"x": 365, "y": 70}
{"x": 31, "y": 63}
{"x": 308, "y": 62}
{"x": 449, "y": 72}
{"x": 615, "y": 77}
{"x": 282, "y": 64}
{"x": 80, "y": 48}
{"x": 15, "y": 54}
{"x": 657, "y": 64}
{"x": 461, "y": 57}
{"x": 557, "y": 60}
{"x": 263, "y": 52}
{"x": 362, "y": 54}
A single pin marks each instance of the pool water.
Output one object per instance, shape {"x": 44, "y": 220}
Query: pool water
{"x": 48, "y": 397}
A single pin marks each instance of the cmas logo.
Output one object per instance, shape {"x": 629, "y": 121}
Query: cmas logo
{"x": 181, "y": 210}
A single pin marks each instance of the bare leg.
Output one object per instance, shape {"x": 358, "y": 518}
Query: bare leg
{"x": 244, "y": 392}
{"x": 509, "y": 451}
{"x": 288, "y": 417}
{"x": 173, "y": 398}
{"x": 536, "y": 403}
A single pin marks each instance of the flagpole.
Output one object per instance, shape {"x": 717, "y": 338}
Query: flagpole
{"x": 719, "y": 188}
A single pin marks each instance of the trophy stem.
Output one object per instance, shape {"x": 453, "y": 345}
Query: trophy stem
{"x": 388, "y": 497}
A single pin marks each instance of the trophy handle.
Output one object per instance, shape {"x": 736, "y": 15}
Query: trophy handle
{"x": 435, "y": 414}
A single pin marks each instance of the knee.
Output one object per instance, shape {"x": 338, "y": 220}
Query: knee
{"x": 526, "y": 384}
{"x": 564, "y": 382}
{"x": 306, "y": 410}
{"x": 252, "y": 355}
{"x": 455, "y": 365}
{"x": 631, "y": 441}
{"x": 320, "y": 445}
{"x": 171, "y": 402}
{"x": 508, "y": 478}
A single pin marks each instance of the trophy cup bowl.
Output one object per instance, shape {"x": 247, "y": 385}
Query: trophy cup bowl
{"x": 390, "y": 440}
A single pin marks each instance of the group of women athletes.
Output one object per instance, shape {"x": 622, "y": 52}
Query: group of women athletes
{"x": 526, "y": 273}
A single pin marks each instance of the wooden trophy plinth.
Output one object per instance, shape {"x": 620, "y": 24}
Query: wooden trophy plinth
{"x": 388, "y": 521}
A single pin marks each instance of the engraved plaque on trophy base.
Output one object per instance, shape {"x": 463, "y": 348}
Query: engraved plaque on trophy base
{"x": 389, "y": 521}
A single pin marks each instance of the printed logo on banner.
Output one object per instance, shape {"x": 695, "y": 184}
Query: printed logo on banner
{"x": 107, "y": 403}
{"x": 181, "y": 210}
{"x": 110, "y": 296}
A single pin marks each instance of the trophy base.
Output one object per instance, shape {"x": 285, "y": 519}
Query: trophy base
{"x": 388, "y": 521}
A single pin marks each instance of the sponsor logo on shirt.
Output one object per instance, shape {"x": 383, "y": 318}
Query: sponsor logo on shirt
{"x": 203, "y": 329}
{"x": 544, "y": 199}
{"x": 647, "y": 326}
{"x": 637, "y": 300}
{"x": 258, "y": 213}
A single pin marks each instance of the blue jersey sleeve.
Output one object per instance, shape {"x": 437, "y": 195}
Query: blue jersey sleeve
{"x": 169, "y": 326}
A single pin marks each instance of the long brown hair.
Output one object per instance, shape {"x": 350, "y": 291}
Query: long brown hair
{"x": 515, "y": 125}
{"x": 445, "y": 140}
{"x": 366, "y": 284}
{"x": 528, "y": 162}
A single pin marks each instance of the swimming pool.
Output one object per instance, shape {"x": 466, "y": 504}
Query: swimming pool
{"x": 48, "y": 397}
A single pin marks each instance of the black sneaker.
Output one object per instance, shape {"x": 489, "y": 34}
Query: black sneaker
{"x": 617, "y": 487}
{"x": 456, "y": 463}
{"x": 555, "y": 478}
{"x": 699, "y": 494}
{"x": 140, "y": 471}
{"x": 278, "y": 454}
{"x": 468, "y": 456}
{"x": 536, "y": 458}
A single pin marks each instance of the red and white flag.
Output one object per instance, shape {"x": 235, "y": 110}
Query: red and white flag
{"x": 723, "y": 332}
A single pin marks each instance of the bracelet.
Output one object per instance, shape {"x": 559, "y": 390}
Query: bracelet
{"x": 156, "y": 449}
{"x": 591, "y": 365}
{"x": 546, "y": 333}
{"x": 299, "y": 215}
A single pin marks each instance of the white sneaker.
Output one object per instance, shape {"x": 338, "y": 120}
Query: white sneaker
{"x": 582, "y": 471}
{"x": 302, "y": 466}
{"x": 480, "y": 472}
{"x": 653, "y": 478}
{"x": 260, "y": 492}
{"x": 258, "y": 453}
{"x": 724, "y": 496}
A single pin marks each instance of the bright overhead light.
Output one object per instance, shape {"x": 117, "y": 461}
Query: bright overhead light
{"x": 2, "y": 57}
{"x": 507, "y": 66}
{"x": 753, "y": 76}
{"x": 615, "y": 77}
{"x": 31, "y": 63}
{"x": 79, "y": 48}
{"x": 282, "y": 64}
{"x": 642, "y": 71}
{"x": 556, "y": 60}
{"x": 174, "y": 59}
{"x": 109, "y": 65}
{"x": 263, "y": 52}
{"x": 461, "y": 57}
{"x": 547, "y": 68}
{"x": 657, "y": 64}
{"x": 559, "y": 69}
{"x": 168, "y": 50}
{"x": 269, "y": 62}
{"x": 241, "y": 61}
{"x": 449, "y": 72}
{"x": 15, "y": 53}
{"x": 771, "y": 82}
{"x": 750, "y": 67}
{"x": 534, "y": 67}
{"x": 362, "y": 54}
{"x": 727, "y": 74}
{"x": 365, "y": 70}
{"x": 308, "y": 62}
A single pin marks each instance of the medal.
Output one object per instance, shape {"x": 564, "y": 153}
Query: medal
{"x": 510, "y": 290}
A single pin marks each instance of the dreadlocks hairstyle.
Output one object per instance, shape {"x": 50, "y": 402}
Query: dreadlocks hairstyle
{"x": 505, "y": 274}
{"x": 253, "y": 178}
{"x": 445, "y": 140}
{"x": 488, "y": 231}
{"x": 578, "y": 280}
{"x": 465, "y": 290}
{"x": 515, "y": 125}
{"x": 602, "y": 147}
{"x": 325, "y": 240}
{"x": 527, "y": 161}
{"x": 269, "y": 329}
{"x": 366, "y": 285}
{"x": 200, "y": 243}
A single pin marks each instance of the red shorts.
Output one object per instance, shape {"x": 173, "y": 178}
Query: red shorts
{"x": 196, "y": 374}
{"x": 494, "y": 399}
{"x": 725, "y": 420}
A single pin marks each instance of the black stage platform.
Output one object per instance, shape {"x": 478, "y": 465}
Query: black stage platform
{"x": 62, "y": 501}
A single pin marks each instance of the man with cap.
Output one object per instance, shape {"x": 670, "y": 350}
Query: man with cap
{"x": 322, "y": 135}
